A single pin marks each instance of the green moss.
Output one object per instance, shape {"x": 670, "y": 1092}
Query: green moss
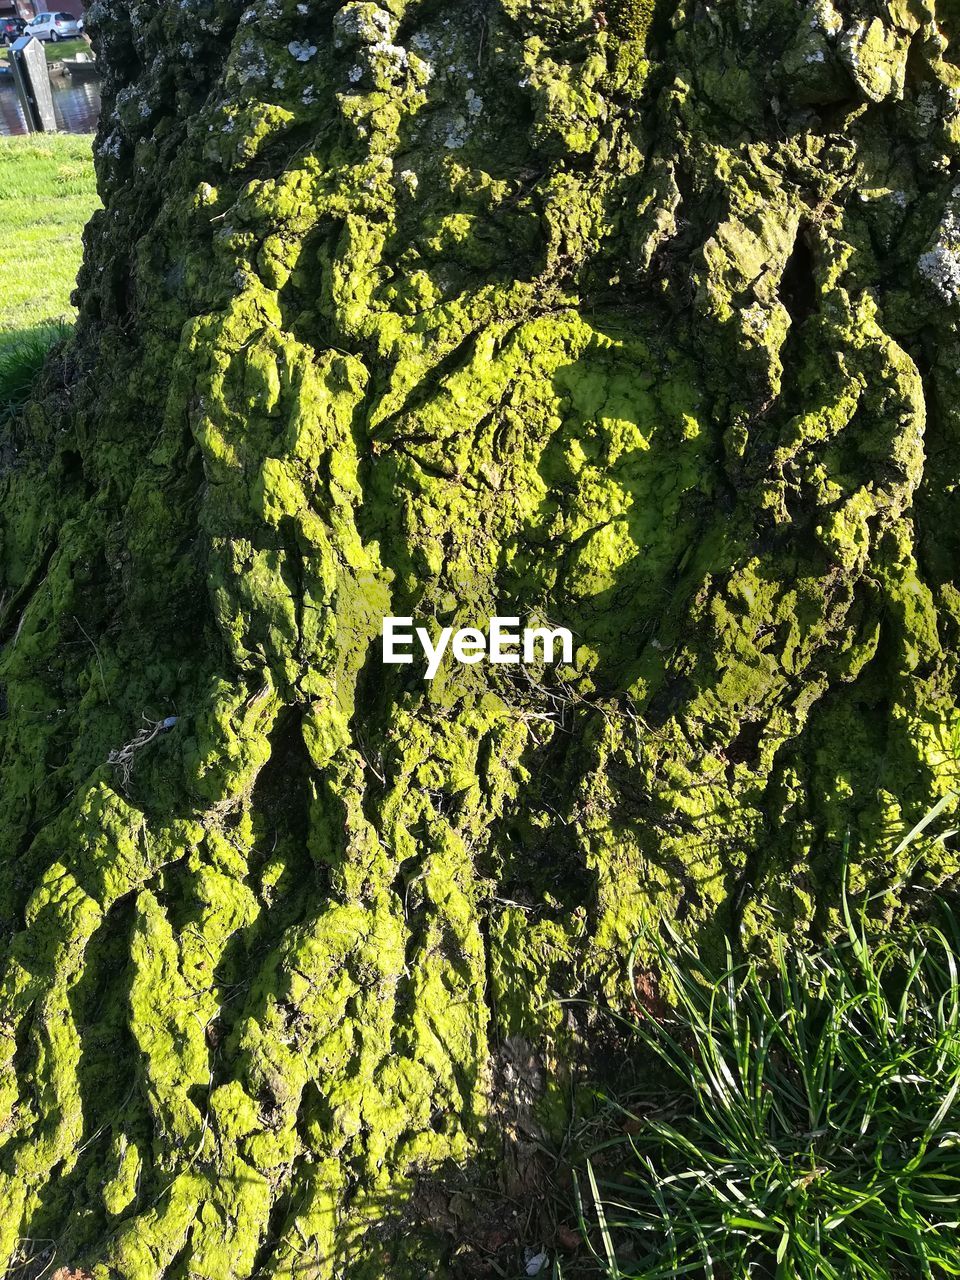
{"x": 631, "y": 20}
{"x": 507, "y": 320}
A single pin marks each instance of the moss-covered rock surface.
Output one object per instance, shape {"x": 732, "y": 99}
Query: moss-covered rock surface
{"x": 639, "y": 318}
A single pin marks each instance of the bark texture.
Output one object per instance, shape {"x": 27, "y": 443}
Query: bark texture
{"x": 640, "y": 317}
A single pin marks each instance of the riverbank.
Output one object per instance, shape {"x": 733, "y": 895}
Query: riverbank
{"x": 56, "y": 51}
{"x": 47, "y": 194}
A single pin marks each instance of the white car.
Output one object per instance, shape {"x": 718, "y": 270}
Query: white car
{"x": 53, "y": 26}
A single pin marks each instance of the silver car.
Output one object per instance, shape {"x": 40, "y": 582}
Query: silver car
{"x": 53, "y": 26}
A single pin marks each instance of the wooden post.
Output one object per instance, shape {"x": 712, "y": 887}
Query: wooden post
{"x": 32, "y": 79}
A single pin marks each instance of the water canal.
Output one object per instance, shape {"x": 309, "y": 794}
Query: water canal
{"x": 77, "y": 105}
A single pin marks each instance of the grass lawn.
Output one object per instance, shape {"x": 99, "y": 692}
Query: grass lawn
{"x": 47, "y": 194}
{"x": 58, "y": 50}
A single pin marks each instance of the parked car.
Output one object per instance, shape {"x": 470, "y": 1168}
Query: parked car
{"x": 10, "y": 30}
{"x": 53, "y": 26}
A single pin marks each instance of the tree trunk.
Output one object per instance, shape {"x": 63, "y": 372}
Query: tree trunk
{"x": 638, "y": 319}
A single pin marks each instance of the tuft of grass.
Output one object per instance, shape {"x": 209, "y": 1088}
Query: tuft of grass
{"x": 47, "y": 194}
{"x": 56, "y": 51}
{"x": 810, "y": 1126}
{"x": 21, "y": 361}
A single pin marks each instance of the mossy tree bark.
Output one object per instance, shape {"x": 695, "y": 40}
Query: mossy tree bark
{"x": 642, "y": 318}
